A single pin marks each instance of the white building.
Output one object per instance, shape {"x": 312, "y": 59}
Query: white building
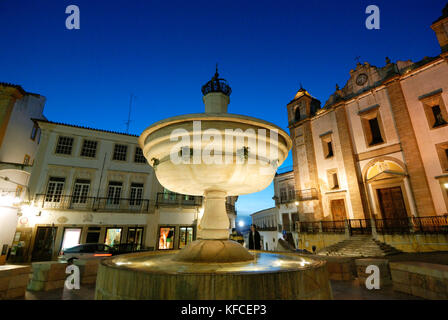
{"x": 266, "y": 222}
{"x": 19, "y": 139}
{"x": 95, "y": 186}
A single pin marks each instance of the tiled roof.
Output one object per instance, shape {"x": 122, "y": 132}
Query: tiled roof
{"x": 82, "y": 127}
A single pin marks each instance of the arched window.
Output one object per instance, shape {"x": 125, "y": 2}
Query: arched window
{"x": 297, "y": 114}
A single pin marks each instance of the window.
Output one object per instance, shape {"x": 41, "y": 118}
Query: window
{"x": 139, "y": 157}
{"x": 113, "y": 236}
{"x": 291, "y": 193}
{"x": 297, "y": 114}
{"x": 26, "y": 160}
{"x": 114, "y": 192}
{"x": 89, "y": 148}
{"x": 34, "y": 132}
{"x": 333, "y": 181}
{"x": 435, "y": 109}
{"x": 442, "y": 151}
{"x": 54, "y": 189}
{"x": 166, "y": 238}
{"x": 372, "y": 126}
{"x": 185, "y": 236}
{"x": 438, "y": 118}
{"x": 375, "y": 132}
{"x": 135, "y": 237}
{"x": 136, "y": 194}
{"x": 71, "y": 238}
{"x": 120, "y": 152}
{"x": 283, "y": 194}
{"x": 327, "y": 145}
{"x": 65, "y": 145}
{"x": 81, "y": 191}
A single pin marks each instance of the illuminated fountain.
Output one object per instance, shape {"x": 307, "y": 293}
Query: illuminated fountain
{"x": 215, "y": 155}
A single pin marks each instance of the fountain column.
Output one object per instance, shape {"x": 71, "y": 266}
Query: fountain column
{"x": 214, "y": 224}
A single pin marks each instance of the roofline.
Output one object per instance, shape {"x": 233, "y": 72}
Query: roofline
{"x": 262, "y": 211}
{"x": 82, "y": 127}
{"x": 18, "y": 87}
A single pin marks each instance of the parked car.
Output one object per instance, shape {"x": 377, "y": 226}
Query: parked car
{"x": 87, "y": 251}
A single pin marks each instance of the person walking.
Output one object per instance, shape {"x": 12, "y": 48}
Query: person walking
{"x": 254, "y": 239}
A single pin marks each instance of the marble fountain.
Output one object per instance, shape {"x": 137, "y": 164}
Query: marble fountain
{"x": 213, "y": 154}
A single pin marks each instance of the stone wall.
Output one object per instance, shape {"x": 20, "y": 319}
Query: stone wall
{"x": 320, "y": 240}
{"x": 13, "y": 281}
{"x": 416, "y": 242}
{"x": 403, "y": 242}
{"x": 425, "y": 280}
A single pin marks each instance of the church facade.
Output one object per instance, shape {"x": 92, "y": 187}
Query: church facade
{"x": 378, "y": 148}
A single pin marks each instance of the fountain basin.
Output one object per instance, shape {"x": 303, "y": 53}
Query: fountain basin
{"x": 235, "y": 177}
{"x": 158, "y": 276}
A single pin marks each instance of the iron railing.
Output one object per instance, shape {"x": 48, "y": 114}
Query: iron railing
{"x": 359, "y": 226}
{"x": 432, "y": 224}
{"x": 175, "y": 199}
{"x": 84, "y": 203}
{"x": 390, "y": 226}
{"x": 308, "y": 226}
{"x": 333, "y": 226}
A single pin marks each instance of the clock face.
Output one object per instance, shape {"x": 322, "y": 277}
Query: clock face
{"x": 361, "y": 79}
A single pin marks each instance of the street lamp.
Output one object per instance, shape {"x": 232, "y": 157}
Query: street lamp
{"x": 241, "y": 223}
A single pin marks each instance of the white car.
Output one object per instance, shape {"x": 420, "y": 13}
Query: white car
{"x": 87, "y": 251}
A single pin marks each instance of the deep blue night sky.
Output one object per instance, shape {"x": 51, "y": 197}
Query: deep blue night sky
{"x": 164, "y": 51}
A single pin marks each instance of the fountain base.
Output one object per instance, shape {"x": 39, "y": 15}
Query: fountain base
{"x": 214, "y": 251}
{"x": 161, "y": 276}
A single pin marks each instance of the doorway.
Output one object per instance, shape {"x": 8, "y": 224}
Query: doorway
{"x": 44, "y": 244}
{"x": 338, "y": 209}
{"x": 391, "y": 203}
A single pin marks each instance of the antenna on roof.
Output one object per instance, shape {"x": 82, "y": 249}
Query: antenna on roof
{"x": 129, "y": 115}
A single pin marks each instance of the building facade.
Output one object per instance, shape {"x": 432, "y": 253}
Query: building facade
{"x": 95, "y": 186}
{"x": 378, "y": 148}
{"x": 266, "y": 222}
{"x": 19, "y": 139}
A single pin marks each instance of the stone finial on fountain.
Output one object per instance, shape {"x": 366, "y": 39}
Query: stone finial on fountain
{"x": 216, "y": 94}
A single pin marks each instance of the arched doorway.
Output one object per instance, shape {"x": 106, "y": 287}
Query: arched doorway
{"x": 386, "y": 181}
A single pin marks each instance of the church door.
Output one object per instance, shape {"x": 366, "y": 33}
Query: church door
{"x": 392, "y": 203}
{"x": 338, "y": 210}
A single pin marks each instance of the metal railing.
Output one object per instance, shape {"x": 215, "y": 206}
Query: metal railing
{"x": 308, "y": 226}
{"x": 359, "y": 226}
{"x": 432, "y": 224}
{"x": 390, "y": 226}
{"x": 84, "y": 203}
{"x": 175, "y": 199}
{"x": 333, "y": 226}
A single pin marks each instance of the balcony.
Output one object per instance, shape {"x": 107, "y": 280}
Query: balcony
{"x": 177, "y": 200}
{"x": 81, "y": 203}
{"x": 307, "y": 194}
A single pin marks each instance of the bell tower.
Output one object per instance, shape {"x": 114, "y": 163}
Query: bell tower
{"x": 440, "y": 27}
{"x": 300, "y": 111}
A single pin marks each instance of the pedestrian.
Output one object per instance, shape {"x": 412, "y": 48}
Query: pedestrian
{"x": 254, "y": 239}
